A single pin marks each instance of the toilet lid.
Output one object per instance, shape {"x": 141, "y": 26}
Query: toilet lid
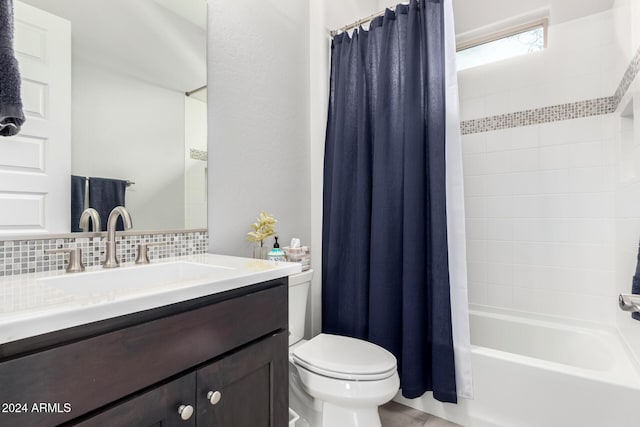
{"x": 341, "y": 357}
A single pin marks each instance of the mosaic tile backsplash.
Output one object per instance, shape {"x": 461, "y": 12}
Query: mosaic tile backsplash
{"x": 554, "y": 113}
{"x": 27, "y": 256}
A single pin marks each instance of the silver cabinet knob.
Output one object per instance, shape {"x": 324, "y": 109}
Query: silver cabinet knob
{"x": 214, "y": 397}
{"x": 185, "y": 411}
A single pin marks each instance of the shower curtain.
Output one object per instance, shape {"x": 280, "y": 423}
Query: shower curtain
{"x": 393, "y": 254}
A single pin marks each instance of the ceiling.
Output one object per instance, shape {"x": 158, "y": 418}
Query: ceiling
{"x": 159, "y": 41}
{"x": 164, "y": 41}
{"x": 191, "y": 10}
{"x": 470, "y": 15}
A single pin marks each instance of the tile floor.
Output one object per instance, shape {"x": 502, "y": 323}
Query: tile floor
{"x": 396, "y": 415}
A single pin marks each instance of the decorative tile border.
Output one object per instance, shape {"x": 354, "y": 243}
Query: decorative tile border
{"x": 27, "y": 256}
{"x": 573, "y": 110}
{"x": 198, "y": 154}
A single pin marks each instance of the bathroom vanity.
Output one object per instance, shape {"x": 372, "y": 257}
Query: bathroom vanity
{"x": 216, "y": 359}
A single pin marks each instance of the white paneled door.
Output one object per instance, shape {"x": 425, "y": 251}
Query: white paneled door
{"x": 35, "y": 166}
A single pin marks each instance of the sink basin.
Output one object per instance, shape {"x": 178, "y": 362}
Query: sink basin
{"x": 137, "y": 278}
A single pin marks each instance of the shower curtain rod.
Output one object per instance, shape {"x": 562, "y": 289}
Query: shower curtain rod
{"x": 381, "y": 13}
{"x": 191, "y": 92}
{"x": 360, "y": 22}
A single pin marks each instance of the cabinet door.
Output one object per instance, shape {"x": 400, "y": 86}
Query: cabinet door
{"x": 252, "y": 386}
{"x": 158, "y": 407}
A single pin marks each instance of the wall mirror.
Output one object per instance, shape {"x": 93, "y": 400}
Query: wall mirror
{"x": 130, "y": 105}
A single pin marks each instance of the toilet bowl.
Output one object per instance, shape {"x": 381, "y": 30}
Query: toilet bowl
{"x": 335, "y": 380}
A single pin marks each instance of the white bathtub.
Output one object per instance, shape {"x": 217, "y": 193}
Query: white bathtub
{"x": 532, "y": 371}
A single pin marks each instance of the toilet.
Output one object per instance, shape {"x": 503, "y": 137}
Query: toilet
{"x": 335, "y": 381}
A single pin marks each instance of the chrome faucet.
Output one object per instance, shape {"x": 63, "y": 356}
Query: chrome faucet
{"x": 111, "y": 260}
{"x": 629, "y": 303}
{"x": 95, "y": 220}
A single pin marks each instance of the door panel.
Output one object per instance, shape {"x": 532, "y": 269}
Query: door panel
{"x": 36, "y": 164}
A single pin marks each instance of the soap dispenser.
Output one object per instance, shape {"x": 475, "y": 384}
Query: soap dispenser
{"x": 276, "y": 254}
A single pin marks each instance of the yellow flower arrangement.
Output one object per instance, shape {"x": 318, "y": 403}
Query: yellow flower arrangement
{"x": 264, "y": 227}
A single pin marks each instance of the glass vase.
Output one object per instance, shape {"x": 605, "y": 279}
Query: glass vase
{"x": 260, "y": 252}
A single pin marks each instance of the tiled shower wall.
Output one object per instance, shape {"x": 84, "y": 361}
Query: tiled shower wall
{"x": 628, "y": 188}
{"x": 627, "y": 236}
{"x": 540, "y": 197}
{"x": 582, "y": 61}
{"x": 27, "y": 256}
{"x": 540, "y": 209}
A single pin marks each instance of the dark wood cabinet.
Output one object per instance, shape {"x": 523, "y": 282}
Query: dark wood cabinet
{"x": 248, "y": 395}
{"x": 140, "y": 372}
{"x": 240, "y": 389}
{"x": 157, "y": 407}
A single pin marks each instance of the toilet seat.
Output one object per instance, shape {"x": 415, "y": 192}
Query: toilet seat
{"x": 345, "y": 358}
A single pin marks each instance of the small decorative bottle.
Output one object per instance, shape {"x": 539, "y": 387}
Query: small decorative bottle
{"x": 276, "y": 254}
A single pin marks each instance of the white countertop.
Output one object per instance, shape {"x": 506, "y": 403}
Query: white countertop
{"x": 30, "y": 305}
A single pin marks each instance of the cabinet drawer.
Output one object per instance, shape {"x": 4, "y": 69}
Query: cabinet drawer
{"x": 156, "y": 407}
{"x": 94, "y": 372}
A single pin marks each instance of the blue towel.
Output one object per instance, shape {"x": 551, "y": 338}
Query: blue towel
{"x": 104, "y": 195}
{"x": 77, "y": 200}
{"x": 635, "y": 287}
{"x": 11, "y": 115}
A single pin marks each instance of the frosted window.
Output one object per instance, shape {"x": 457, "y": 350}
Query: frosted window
{"x": 513, "y": 45}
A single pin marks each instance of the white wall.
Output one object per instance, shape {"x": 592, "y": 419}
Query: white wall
{"x": 319, "y": 61}
{"x": 627, "y": 237}
{"x": 340, "y": 13}
{"x": 628, "y": 177}
{"x": 540, "y": 199}
{"x": 258, "y": 100}
{"x": 195, "y": 171}
{"x": 553, "y": 210}
{"x": 540, "y": 207}
{"x": 158, "y": 41}
{"x": 128, "y": 129}
{"x": 268, "y": 96}
{"x": 582, "y": 61}
{"x": 627, "y": 18}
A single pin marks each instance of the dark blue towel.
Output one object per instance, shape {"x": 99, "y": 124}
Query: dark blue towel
{"x": 77, "y": 200}
{"x": 11, "y": 115}
{"x": 104, "y": 195}
{"x": 635, "y": 287}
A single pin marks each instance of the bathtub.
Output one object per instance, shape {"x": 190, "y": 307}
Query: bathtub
{"x": 538, "y": 371}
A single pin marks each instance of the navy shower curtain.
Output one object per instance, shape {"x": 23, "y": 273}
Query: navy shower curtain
{"x": 385, "y": 267}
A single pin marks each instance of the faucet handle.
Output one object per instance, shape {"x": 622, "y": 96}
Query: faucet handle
{"x": 143, "y": 252}
{"x": 75, "y": 264}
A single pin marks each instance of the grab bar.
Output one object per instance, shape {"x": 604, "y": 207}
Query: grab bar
{"x": 629, "y": 303}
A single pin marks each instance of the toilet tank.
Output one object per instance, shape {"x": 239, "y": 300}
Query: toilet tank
{"x": 298, "y": 291}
